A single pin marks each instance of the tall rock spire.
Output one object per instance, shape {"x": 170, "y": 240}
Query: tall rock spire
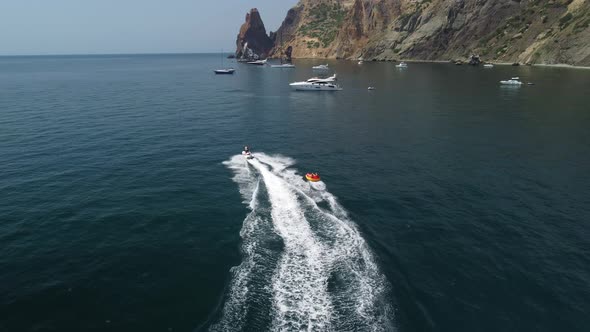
{"x": 253, "y": 42}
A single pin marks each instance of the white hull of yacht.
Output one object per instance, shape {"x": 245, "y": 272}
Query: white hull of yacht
{"x": 228, "y": 71}
{"x": 305, "y": 86}
{"x": 512, "y": 81}
{"x": 286, "y": 65}
{"x": 321, "y": 67}
{"x": 257, "y": 62}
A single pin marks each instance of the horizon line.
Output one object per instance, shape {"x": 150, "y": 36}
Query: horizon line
{"x": 90, "y": 54}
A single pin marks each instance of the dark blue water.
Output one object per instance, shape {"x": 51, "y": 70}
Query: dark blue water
{"x": 448, "y": 202}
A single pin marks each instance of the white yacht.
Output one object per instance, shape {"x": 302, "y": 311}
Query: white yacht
{"x": 257, "y": 62}
{"x": 227, "y": 71}
{"x": 324, "y": 80}
{"x": 402, "y": 65}
{"x": 512, "y": 81}
{"x": 321, "y": 67}
{"x": 488, "y": 65}
{"x": 315, "y": 86}
{"x": 284, "y": 65}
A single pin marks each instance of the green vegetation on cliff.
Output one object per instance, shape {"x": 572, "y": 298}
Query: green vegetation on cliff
{"x": 532, "y": 31}
{"x": 325, "y": 21}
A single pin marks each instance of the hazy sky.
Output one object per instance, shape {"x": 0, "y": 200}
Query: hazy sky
{"x": 128, "y": 26}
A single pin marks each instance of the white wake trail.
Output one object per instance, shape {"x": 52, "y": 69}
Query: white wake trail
{"x": 300, "y": 285}
{"x": 236, "y": 308}
{"x": 362, "y": 298}
{"x": 322, "y": 278}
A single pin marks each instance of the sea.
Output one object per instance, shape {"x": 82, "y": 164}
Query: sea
{"x": 447, "y": 202}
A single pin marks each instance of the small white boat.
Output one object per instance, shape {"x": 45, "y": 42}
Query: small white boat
{"x": 325, "y": 80}
{"x": 402, "y": 65}
{"x": 227, "y": 71}
{"x": 371, "y": 88}
{"x": 360, "y": 62}
{"x": 321, "y": 67}
{"x": 315, "y": 86}
{"x": 488, "y": 65}
{"x": 512, "y": 81}
{"x": 224, "y": 71}
{"x": 257, "y": 62}
{"x": 284, "y": 65}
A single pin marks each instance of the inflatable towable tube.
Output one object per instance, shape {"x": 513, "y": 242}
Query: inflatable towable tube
{"x": 313, "y": 177}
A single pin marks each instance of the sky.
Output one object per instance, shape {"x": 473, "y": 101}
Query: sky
{"x": 40, "y": 27}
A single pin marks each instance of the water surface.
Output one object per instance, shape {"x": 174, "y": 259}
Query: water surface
{"x": 464, "y": 204}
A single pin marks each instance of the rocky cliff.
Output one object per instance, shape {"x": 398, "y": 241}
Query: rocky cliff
{"x": 253, "y": 42}
{"x": 526, "y": 31}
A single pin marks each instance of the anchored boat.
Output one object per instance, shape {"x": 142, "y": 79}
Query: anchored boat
{"x": 321, "y": 67}
{"x": 257, "y": 62}
{"x": 315, "y": 86}
{"x": 228, "y": 71}
{"x": 512, "y": 81}
{"x": 224, "y": 71}
{"x": 284, "y": 65}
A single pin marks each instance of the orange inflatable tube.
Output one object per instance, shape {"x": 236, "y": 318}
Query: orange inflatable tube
{"x": 313, "y": 177}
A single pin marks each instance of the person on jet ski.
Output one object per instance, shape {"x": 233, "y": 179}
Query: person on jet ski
{"x": 246, "y": 150}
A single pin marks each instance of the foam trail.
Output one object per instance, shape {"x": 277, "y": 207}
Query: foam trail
{"x": 362, "y": 297}
{"x": 323, "y": 279}
{"x": 300, "y": 285}
{"x": 235, "y": 308}
{"x": 243, "y": 176}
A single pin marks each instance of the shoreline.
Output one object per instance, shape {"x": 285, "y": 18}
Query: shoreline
{"x": 561, "y": 65}
{"x": 556, "y": 65}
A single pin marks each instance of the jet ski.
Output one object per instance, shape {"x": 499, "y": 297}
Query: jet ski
{"x": 246, "y": 153}
{"x": 312, "y": 177}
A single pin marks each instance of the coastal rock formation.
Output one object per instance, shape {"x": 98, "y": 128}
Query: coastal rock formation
{"x": 253, "y": 43}
{"x": 525, "y": 31}
{"x": 475, "y": 60}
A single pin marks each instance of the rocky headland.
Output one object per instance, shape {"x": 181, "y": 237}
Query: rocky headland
{"x": 510, "y": 31}
{"x": 253, "y": 43}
